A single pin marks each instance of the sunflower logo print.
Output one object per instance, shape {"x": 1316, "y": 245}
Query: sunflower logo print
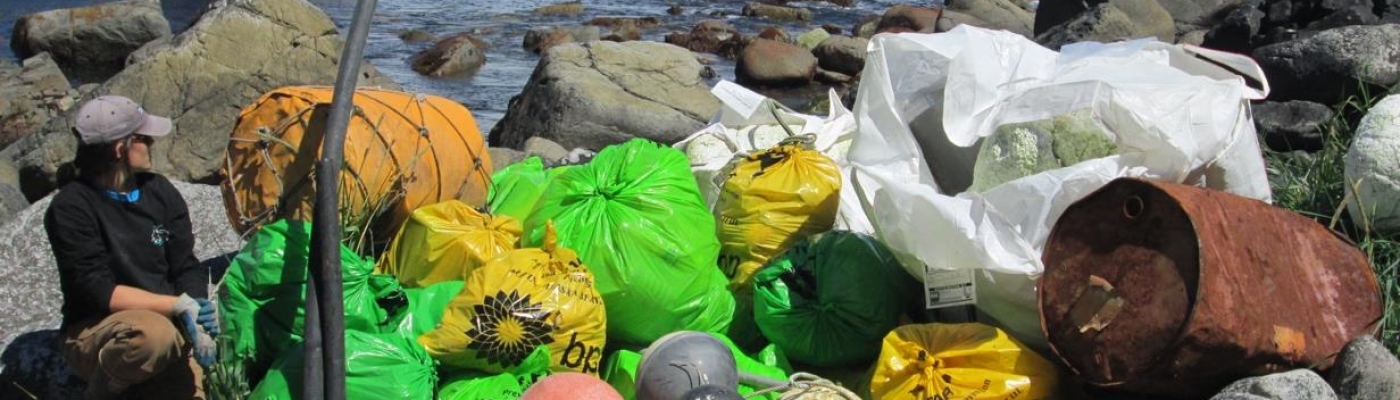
{"x": 507, "y": 327}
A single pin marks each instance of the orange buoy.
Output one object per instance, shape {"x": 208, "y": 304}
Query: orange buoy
{"x": 402, "y": 151}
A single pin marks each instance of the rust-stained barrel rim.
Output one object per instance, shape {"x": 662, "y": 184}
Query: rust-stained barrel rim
{"x": 1132, "y": 208}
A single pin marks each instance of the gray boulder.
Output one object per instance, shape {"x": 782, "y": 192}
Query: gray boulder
{"x": 996, "y": 14}
{"x": 454, "y": 55}
{"x": 1236, "y": 32}
{"x": 1354, "y": 15}
{"x": 541, "y": 39}
{"x": 595, "y": 94}
{"x": 1204, "y": 13}
{"x": 31, "y": 95}
{"x": 91, "y": 42}
{"x": 1299, "y": 384}
{"x": 1301, "y": 14}
{"x": 771, "y": 63}
{"x": 1374, "y": 162}
{"x": 1113, "y": 20}
{"x": 201, "y": 79}
{"x": 1366, "y": 371}
{"x": 842, "y": 54}
{"x": 785, "y": 13}
{"x": 12, "y": 202}
{"x": 1291, "y": 125}
{"x": 1326, "y": 67}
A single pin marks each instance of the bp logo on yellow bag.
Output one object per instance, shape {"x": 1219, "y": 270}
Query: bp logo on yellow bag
{"x": 507, "y": 327}
{"x": 518, "y": 302}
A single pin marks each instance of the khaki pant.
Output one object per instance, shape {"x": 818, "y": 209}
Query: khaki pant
{"x": 120, "y": 353}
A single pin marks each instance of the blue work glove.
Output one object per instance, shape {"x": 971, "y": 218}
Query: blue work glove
{"x": 208, "y": 317}
{"x": 188, "y": 312}
{"x": 204, "y": 351}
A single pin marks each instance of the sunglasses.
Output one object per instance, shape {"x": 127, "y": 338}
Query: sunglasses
{"x": 147, "y": 140}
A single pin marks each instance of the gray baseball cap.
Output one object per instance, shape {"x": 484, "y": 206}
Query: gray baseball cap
{"x": 110, "y": 118}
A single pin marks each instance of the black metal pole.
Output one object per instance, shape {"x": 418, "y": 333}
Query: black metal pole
{"x": 312, "y": 373}
{"x": 325, "y": 231}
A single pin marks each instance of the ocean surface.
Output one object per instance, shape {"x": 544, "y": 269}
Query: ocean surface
{"x": 502, "y": 24}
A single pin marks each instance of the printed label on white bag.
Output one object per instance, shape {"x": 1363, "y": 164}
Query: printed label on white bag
{"x": 943, "y": 288}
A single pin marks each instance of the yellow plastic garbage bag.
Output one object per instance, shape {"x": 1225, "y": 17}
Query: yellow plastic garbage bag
{"x": 771, "y": 200}
{"x": 519, "y": 301}
{"x": 959, "y": 361}
{"x": 446, "y": 242}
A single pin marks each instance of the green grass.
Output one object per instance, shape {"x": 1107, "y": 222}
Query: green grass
{"x": 1315, "y": 186}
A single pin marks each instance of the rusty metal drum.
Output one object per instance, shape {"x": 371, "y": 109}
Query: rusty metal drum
{"x": 1174, "y": 290}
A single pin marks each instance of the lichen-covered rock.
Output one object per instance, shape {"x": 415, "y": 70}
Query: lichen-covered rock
{"x": 1374, "y": 163}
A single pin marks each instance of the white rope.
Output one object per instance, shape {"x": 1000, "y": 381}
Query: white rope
{"x": 805, "y": 386}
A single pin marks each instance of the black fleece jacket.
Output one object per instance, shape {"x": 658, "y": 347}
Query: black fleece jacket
{"x": 100, "y": 242}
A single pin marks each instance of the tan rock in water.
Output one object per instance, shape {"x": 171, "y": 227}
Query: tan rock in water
{"x": 567, "y": 8}
{"x": 454, "y": 55}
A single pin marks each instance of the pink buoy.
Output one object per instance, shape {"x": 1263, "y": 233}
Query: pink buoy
{"x": 571, "y": 385}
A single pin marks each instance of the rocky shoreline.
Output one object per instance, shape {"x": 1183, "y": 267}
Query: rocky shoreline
{"x": 597, "y": 84}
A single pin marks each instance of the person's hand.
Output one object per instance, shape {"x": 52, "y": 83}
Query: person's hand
{"x": 205, "y": 352}
{"x": 208, "y": 317}
{"x": 184, "y": 305}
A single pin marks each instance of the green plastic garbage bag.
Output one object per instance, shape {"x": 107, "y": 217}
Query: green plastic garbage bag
{"x": 635, "y": 217}
{"x": 261, "y": 304}
{"x": 620, "y": 370}
{"x": 830, "y": 299}
{"x": 377, "y": 367}
{"x": 509, "y": 385}
{"x": 516, "y": 188}
{"x": 426, "y": 306}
